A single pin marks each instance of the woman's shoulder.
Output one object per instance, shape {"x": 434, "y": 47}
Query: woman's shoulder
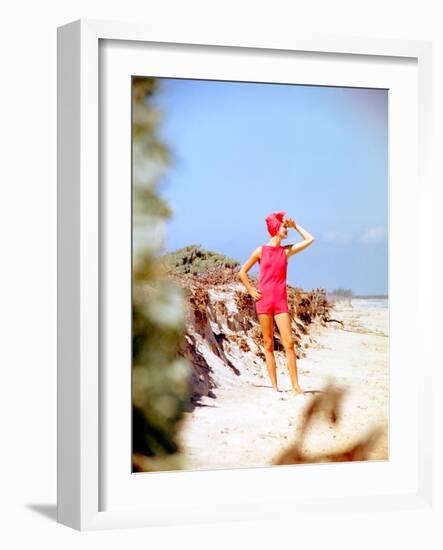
{"x": 258, "y": 251}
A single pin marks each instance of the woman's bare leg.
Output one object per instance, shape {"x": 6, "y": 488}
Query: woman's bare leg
{"x": 267, "y": 325}
{"x": 283, "y": 322}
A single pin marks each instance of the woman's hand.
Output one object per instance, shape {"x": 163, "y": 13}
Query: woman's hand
{"x": 256, "y": 294}
{"x": 290, "y": 222}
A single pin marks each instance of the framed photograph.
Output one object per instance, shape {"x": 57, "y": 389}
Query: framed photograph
{"x": 243, "y": 254}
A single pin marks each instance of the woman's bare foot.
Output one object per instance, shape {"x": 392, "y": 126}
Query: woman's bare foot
{"x": 297, "y": 391}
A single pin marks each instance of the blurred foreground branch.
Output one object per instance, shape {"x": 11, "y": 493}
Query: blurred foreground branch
{"x": 161, "y": 378}
{"x": 327, "y": 406}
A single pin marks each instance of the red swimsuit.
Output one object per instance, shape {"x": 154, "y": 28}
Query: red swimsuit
{"x": 272, "y": 280}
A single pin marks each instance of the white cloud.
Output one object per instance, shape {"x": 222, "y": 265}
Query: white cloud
{"x": 374, "y": 234}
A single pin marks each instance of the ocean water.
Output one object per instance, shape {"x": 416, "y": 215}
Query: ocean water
{"x": 371, "y": 302}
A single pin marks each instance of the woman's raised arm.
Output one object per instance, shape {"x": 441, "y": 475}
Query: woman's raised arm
{"x": 308, "y": 239}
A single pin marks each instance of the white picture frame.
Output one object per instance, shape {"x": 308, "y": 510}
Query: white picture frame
{"x": 82, "y": 438}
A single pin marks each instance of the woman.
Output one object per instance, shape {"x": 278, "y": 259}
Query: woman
{"x": 271, "y": 298}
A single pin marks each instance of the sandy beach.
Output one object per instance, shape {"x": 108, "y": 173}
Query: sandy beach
{"x": 248, "y": 424}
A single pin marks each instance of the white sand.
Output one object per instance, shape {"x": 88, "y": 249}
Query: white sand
{"x": 248, "y": 424}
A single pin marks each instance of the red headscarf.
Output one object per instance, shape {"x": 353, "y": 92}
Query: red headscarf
{"x": 273, "y": 221}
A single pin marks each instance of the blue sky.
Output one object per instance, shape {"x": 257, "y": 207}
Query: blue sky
{"x": 243, "y": 150}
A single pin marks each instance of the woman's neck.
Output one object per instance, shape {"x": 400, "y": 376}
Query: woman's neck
{"x": 275, "y": 242}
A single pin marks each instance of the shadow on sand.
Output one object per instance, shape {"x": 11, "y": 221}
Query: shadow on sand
{"x": 313, "y": 392}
